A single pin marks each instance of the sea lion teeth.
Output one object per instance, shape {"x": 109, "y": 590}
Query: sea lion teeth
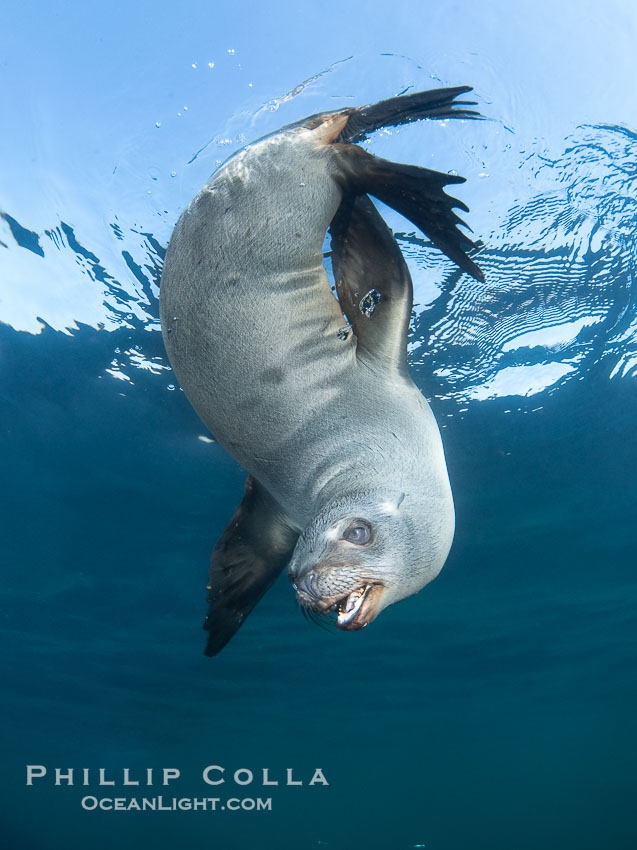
{"x": 353, "y": 605}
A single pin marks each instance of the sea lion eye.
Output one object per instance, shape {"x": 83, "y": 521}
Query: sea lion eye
{"x": 358, "y": 532}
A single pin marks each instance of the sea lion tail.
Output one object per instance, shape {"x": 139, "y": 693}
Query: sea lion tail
{"x": 403, "y": 109}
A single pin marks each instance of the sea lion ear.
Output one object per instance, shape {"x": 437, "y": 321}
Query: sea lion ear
{"x": 246, "y": 560}
{"x": 372, "y": 282}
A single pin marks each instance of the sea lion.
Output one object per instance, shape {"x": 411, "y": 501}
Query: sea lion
{"x": 347, "y": 477}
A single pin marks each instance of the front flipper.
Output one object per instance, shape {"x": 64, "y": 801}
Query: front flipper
{"x": 373, "y": 283}
{"x": 248, "y": 557}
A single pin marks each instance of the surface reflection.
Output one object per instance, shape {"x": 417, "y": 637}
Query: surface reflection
{"x": 559, "y": 295}
{"x": 560, "y": 290}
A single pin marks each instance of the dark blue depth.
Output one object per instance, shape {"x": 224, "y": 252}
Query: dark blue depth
{"x": 494, "y": 710}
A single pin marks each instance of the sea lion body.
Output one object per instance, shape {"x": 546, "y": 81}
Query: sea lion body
{"x": 258, "y": 353}
{"x": 327, "y": 423}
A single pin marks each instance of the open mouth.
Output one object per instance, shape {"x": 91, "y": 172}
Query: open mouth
{"x": 354, "y": 610}
{"x": 358, "y": 608}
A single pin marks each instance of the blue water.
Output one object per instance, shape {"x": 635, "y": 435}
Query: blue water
{"x": 496, "y": 709}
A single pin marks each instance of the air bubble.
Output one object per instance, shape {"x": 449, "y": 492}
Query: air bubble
{"x": 368, "y": 303}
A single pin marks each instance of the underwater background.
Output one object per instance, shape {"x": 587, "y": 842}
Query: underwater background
{"x": 497, "y": 709}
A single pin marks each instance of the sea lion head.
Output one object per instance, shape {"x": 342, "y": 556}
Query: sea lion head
{"x": 363, "y": 552}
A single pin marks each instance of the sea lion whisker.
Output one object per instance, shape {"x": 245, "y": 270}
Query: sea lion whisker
{"x": 317, "y": 618}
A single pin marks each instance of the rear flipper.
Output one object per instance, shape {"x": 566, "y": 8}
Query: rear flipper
{"x": 417, "y": 193}
{"x": 405, "y": 108}
{"x": 373, "y": 284}
{"x": 248, "y": 557}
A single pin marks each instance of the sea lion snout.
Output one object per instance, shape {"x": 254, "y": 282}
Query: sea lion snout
{"x": 354, "y": 599}
{"x": 304, "y": 587}
{"x": 318, "y": 586}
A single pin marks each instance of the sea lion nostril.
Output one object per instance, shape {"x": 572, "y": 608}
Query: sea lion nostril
{"x": 304, "y": 584}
